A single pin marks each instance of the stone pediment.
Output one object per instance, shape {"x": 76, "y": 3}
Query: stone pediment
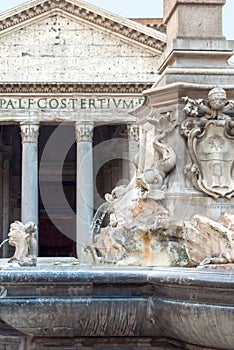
{"x": 92, "y": 16}
{"x": 73, "y": 42}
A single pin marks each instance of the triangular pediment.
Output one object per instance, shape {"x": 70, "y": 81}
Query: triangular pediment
{"x": 58, "y": 48}
{"x": 127, "y": 30}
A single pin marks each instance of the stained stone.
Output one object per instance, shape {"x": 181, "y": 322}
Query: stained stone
{"x": 159, "y": 272}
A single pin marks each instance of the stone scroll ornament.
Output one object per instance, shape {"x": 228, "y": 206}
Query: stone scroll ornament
{"x": 210, "y": 138}
{"x": 22, "y": 238}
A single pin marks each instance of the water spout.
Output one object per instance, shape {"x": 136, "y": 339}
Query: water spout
{"x": 98, "y": 220}
{"x": 3, "y": 242}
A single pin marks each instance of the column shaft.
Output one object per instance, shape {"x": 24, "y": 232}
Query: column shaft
{"x": 133, "y": 144}
{"x": 84, "y": 193}
{"x": 29, "y": 191}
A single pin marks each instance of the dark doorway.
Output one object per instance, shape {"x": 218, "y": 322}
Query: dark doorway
{"x": 57, "y": 198}
{"x": 10, "y": 182}
{"x": 53, "y": 242}
{"x": 110, "y": 153}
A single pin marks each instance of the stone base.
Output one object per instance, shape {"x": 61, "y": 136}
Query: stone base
{"x": 115, "y": 344}
{"x": 12, "y": 340}
{"x": 72, "y": 307}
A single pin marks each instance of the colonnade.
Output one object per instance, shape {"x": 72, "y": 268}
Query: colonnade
{"x": 85, "y": 187}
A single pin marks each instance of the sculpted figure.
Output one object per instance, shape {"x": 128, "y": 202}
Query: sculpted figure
{"x": 22, "y": 238}
{"x": 164, "y": 155}
{"x": 136, "y": 212}
{"x": 214, "y": 107}
{"x": 142, "y": 229}
{"x": 165, "y": 159}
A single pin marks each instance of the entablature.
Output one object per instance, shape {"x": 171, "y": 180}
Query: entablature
{"x": 56, "y": 103}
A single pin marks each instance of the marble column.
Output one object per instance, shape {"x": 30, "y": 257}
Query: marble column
{"x": 133, "y": 142}
{"x": 84, "y": 192}
{"x": 122, "y": 172}
{"x": 142, "y": 151}
{"x": 29, "y": 190}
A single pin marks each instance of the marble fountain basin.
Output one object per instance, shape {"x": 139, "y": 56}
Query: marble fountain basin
{"x": 191, "y": 306}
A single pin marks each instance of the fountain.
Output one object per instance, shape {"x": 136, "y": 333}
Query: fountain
{"x": 161, "y": 274}
{"x": 143, "y": 231}
{"x": 165, "y": 276}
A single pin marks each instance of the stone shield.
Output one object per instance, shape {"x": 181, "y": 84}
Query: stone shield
{"x": 212, "y": 151}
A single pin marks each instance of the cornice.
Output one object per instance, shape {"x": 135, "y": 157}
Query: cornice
{"x": 138, "y": 33}
{"x": 73, "y": 88}
{"x": 160, "y": 27}
{"x": 153, "y": 23}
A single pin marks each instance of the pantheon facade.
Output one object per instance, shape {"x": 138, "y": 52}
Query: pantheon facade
{"x": 86, "y": 95}
{"x": 69, "y": 75}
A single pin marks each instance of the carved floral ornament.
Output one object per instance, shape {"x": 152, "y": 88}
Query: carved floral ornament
{"x": 210, "y": 138}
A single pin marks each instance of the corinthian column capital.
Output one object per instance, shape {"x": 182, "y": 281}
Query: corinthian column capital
{"x": 84, "y": 132}
{"x": 29, "y": 131}
{"x": 133, "y": 132}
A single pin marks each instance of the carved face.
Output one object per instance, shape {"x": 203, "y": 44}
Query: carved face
{"x": 217, "y": 98}
{"x": 18, "y": 239}
{"x": 17, "y": 225}
{"x": 15, "y": 237}
{"x": 218, "y": 103}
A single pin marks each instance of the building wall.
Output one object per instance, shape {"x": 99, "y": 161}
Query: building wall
{"x": 58, "y": 49}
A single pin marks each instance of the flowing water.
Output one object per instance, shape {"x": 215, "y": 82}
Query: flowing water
{"x": 3, "y": 242}
{"x": 98, "y": 220}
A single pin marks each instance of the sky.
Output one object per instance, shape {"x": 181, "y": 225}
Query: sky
{"x": 137, "y": 8}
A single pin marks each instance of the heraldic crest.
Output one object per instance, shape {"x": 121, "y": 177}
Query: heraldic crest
{"x": 210, "y": 138}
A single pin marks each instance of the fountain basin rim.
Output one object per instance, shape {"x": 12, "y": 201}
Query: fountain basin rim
{"x": 120, "y": 275}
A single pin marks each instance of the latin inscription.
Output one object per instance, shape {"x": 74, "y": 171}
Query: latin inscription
{"x": 221, "y": 204}
{"x": 69, "y": 103}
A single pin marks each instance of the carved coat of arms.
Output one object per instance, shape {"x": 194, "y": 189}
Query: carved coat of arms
{"x": 210, "y": 139}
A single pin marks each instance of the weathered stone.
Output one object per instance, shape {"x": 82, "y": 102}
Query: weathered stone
{"x": 150, "y": 234}
{"x": 211, "y": 145}
{"x": 22, "y": 237}
{"x": 122, "y": 306}
{"x": 82, "y": 65}
{"x": 57, "y": 48}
